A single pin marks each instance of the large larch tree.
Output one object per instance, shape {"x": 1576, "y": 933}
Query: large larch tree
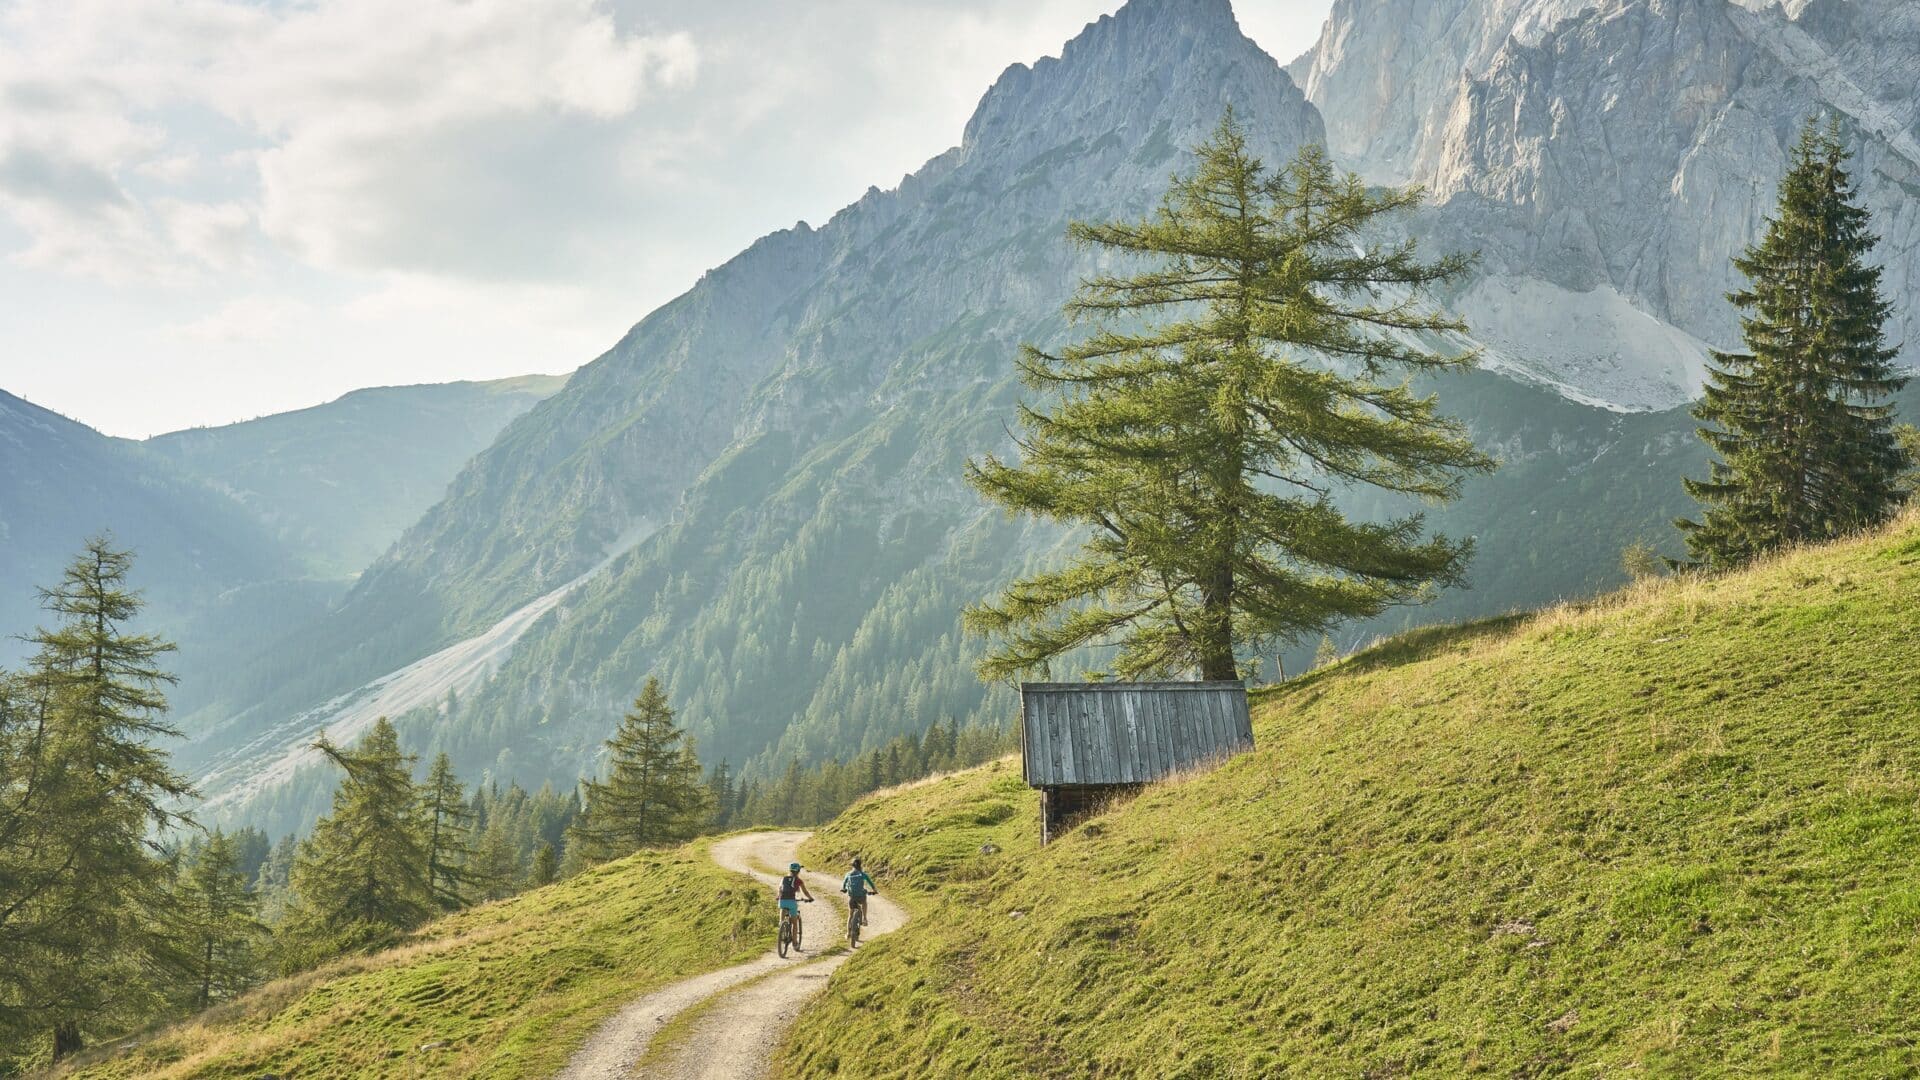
{"x": 1258, "y": 362}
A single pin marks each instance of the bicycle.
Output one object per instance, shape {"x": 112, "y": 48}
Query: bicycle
{"x": 856, "y": 918}
{"x": 790, "y": 927}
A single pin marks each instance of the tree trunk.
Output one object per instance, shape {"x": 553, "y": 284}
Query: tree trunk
{"x": 1216, "y": 631}
{"x": 206, "y": 976}
{"x": 66, "y": 1039}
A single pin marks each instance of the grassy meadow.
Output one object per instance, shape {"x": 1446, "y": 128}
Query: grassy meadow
{"x": 1672, "y": 832}
{"x": 505, "y": 990}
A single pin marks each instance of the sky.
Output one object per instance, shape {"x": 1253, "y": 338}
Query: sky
{"x": 212, "y": 210}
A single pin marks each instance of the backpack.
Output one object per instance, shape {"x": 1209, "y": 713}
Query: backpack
{"x": 789, "y": 886}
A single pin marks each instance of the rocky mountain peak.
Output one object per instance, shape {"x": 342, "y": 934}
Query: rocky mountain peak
{"x": 1128, "y": 68}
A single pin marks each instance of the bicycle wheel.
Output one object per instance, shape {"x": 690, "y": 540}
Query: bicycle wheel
{"x": 853, "y": 926}
{"x": 799, "y": 927}
{"x": 786, "y": 932}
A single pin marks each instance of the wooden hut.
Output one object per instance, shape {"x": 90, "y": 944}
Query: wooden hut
{"x": 1082, "y": 743}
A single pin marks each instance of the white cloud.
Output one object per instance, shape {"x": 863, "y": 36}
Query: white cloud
{"x": 248, "y": 320}
{"x": 217, "y": 235}
{"x": 212, "y": 209}
{"x": 374, "y": 130}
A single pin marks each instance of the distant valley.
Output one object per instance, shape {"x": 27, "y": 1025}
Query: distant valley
{"x": 756, "y": 493}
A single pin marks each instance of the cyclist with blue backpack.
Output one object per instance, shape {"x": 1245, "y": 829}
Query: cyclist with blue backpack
{"x": 792, "y": 891}
{"x": 856, "y": 885}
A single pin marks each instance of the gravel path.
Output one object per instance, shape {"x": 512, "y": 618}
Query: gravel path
{"x": 735, "y": 1039}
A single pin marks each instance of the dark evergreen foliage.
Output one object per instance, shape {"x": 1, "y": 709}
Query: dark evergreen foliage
{"x": 215, "y": 918}
{"x": 811, "y": 796}
{"x": 361, "y": 878}
{"x": 85, "y": 788}
{"x": 1801, "y": 420}
{"x": 653, "y": 794}
{"x": 448, "y": 824}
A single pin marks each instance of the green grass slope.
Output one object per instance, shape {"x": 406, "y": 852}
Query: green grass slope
{"x": 507, "y": 990}
{"x": 1675, "y": 832}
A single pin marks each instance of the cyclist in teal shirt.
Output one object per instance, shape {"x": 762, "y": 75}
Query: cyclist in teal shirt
{"x": 857, "y": 885}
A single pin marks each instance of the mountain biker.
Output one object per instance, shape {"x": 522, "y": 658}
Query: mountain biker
{"x": 791, "y": 890}
{"x": 857, "y": 884}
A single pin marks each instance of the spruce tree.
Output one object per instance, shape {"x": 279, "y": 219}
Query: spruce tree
{"x": 361, "y": 877}
{"x": 1199, "y": 432}
{"x": 448, "y": 828}
{"x": 652, "y": 795}
{"x": 82, "y": 886}
{"x": 1800, "y": 421}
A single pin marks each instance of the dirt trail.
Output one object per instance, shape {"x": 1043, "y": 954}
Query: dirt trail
{"x": 735, "y": 1039}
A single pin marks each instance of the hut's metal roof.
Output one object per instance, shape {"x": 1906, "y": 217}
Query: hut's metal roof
{"x": 1128, "y": 733}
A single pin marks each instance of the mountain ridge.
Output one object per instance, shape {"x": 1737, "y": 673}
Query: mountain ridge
{"x": 803, "y": 348}
{"x": 1628, "y": 147}
{"x": 788, "y": 440}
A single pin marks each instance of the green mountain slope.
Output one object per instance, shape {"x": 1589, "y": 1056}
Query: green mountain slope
{"x": 1670, "y": 833}
{"x": 244, "y": 532}
{"x": 774, "y": 457}
{"x": 204, "y": 562}
{"x": 503, "y": 990}
{"x": 775, "y": 461}
{"x": 339, "y": 482}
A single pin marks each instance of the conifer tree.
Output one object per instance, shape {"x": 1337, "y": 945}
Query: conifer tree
{"x": 653, "y": 793}
{"x": 1200, "y": 430}
{"x": 495, "y": 870}
{"x": 1909, "y": 438}
{"x": 251, "y": 847}
{"x": 546, "y": 866}
{"x": 361, "y": 877}
{"x": 82, "y": 888}
{"x": 275, "y": 879}
{"x": 1800, "y": 421}
{"x": 1326, "y": 653}
{"x": 720, "y": 794}
{"x": 218, "y": 923}
{"x": 448, "y": 826}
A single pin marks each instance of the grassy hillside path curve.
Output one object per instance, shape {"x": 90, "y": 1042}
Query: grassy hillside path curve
{"x": 736, "y": 1038}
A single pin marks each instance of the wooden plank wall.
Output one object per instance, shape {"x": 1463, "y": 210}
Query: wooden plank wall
{"x": 1128, "y": 733}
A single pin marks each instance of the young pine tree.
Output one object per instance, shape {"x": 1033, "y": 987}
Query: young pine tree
{"x": 653, "y": 793}
{"x": 448, "y": 827}
{"x": 1200, "y": 430}
{"x": 217, "y": 920}
{"x": 361, "y": 877}
{"x": 82, "y": 889}
{"x": 1800, "y": 421}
